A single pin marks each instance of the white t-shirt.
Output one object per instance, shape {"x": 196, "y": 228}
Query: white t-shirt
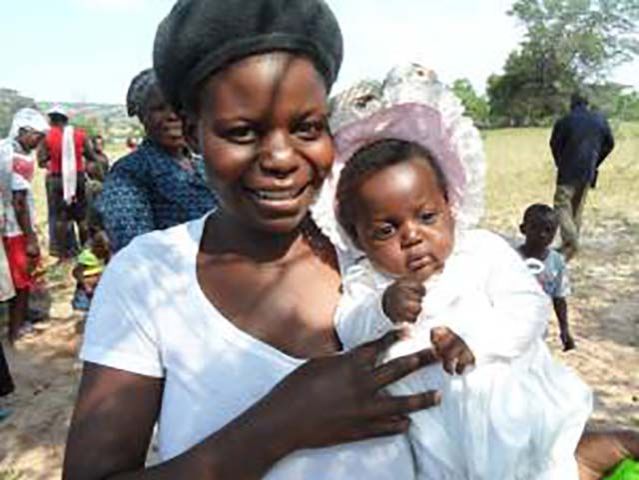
{"x": 16, "y": 173}
{"x": 553, "y": 276}
{"x": 149, "y": 316}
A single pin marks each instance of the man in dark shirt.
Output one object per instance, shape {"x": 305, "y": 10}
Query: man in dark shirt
{"x": 580, "y": 142}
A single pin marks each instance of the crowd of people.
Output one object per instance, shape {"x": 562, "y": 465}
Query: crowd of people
{"x": 293, "y": 288}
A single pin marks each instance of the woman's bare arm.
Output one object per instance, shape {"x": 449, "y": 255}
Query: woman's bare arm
{"x": 326, "y": 401}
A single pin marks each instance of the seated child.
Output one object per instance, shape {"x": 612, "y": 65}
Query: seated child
{"x": 540, "y": 227}
{"x": 90, "y": 265}
{"x": 406, "y": 187}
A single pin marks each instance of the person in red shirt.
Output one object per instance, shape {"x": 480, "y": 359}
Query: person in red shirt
{"x": 63, "y": 153}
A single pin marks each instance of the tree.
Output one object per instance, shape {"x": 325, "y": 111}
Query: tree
{"x": 10, "y": 102}
{"x": 568, "y": 45}
{"x": 476, "y": 106}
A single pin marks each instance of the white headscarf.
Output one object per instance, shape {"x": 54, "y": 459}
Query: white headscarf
{"x": 28, "y": 118}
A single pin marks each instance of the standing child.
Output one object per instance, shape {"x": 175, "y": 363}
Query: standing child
{"x": 407, "y": 187}
{"x": 88, "y": 270}
{"x": 539, "y": 226}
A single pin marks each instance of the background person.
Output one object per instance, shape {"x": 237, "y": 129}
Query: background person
{"x": 19, "y": 237}
{"x": 63, "y": 154}
{"x": 90, "y": 264}
{"x": 539, "y": 225}
{"x": 580, "y": 142}
{"x": 160, "y": 184}
{"x": 103, "y": 162}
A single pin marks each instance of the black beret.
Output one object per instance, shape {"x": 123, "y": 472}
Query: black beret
{"x": 199, "y": 37}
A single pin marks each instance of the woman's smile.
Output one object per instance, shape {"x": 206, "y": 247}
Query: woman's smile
{"x": 279, "y": 200}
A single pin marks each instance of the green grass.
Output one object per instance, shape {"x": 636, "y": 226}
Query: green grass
{"x": 521, "y": 172}
{"x": 10, "y": 475}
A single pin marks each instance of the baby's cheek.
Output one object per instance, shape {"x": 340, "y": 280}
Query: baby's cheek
{"x": 389, "y": 261}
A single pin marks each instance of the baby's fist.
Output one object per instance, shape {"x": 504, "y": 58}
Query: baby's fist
{"x": 402, "y": 300}
{"x": 453, "y": 351}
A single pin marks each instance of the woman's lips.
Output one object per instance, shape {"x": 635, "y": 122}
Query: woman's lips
{"x": 275, "y": 197}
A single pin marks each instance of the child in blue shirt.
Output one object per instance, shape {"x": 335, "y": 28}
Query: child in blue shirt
{"x": 539, "y": 226}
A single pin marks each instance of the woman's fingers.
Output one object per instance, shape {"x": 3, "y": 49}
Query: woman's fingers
{"x": 403, "y": 405}
{"x": 397, "y": 368}
{"x": 383, "y": 427}
{"x": 370, "y": 351}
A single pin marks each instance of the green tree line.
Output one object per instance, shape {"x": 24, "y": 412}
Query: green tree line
{"x": 568, "y": 46}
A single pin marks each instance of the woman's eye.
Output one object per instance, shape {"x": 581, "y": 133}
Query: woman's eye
{"x": 383, "y": 232}
{"x": 310, "y": 129}
{"x": 241, "y": 134}
{"x": 428, "y": 218}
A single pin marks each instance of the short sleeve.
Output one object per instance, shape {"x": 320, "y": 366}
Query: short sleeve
{"x": 120, "y": 332}
{"x": 562, "y": 280}
{"x": 18, "y": 183}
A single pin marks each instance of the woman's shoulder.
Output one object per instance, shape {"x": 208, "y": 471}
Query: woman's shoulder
{"x": 169, "y": 247}
{"x": 137, "y": 162}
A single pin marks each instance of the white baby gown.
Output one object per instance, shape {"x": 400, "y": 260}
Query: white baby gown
{"x": 518, "y": 414}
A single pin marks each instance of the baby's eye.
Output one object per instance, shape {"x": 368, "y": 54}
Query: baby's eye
{"x": 383, "y": 232}
{"x": 241, "y": 134}
{"x": 428, "y": 218}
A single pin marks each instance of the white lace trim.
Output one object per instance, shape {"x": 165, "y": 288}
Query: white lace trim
{"x": 410, "y": 84}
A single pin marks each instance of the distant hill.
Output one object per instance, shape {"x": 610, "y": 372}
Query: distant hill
{"x": 108, "y": 120}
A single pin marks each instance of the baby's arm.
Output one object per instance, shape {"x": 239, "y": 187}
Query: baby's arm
{"x": 517, "y": 311}
{"x": 359, "y": 317}
{"x": 365, "y": 313}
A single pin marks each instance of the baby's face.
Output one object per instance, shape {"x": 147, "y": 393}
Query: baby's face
{"x": 403, "y": 220}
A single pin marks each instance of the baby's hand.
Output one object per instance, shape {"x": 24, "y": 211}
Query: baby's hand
{"x": 452, "y": 350}
{"x": 402, "y": 300}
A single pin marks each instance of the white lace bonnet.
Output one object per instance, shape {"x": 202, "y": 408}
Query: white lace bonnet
{"x": 411, "y": 104}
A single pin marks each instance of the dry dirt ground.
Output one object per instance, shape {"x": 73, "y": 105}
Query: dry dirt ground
{"x": 604, "y": 312}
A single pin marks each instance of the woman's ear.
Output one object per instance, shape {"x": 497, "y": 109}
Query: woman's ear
{"x": 191, "y": 132}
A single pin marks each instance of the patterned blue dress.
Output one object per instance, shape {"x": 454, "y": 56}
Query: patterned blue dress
{"x": 148, "y": 190}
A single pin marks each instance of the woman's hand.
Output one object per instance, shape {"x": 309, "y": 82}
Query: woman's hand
{"x": 600, "y": 452}
{"x": 338, "y": 399}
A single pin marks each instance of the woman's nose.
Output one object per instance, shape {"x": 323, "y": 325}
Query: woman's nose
{"x": 277, "y": 155}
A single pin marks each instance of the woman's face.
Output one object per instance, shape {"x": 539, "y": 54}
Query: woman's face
{"x": 262, "y": 128}
{"x": 161, "y": 123}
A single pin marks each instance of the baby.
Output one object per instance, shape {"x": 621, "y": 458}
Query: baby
{"x": 406, "y": 187}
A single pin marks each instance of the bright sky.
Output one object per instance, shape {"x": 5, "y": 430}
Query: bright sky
{"x": 88, "y": 50}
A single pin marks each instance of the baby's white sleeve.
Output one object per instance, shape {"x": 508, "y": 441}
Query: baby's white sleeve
{"x": 517, "y": 310}
{"x": 359, "y": 317}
